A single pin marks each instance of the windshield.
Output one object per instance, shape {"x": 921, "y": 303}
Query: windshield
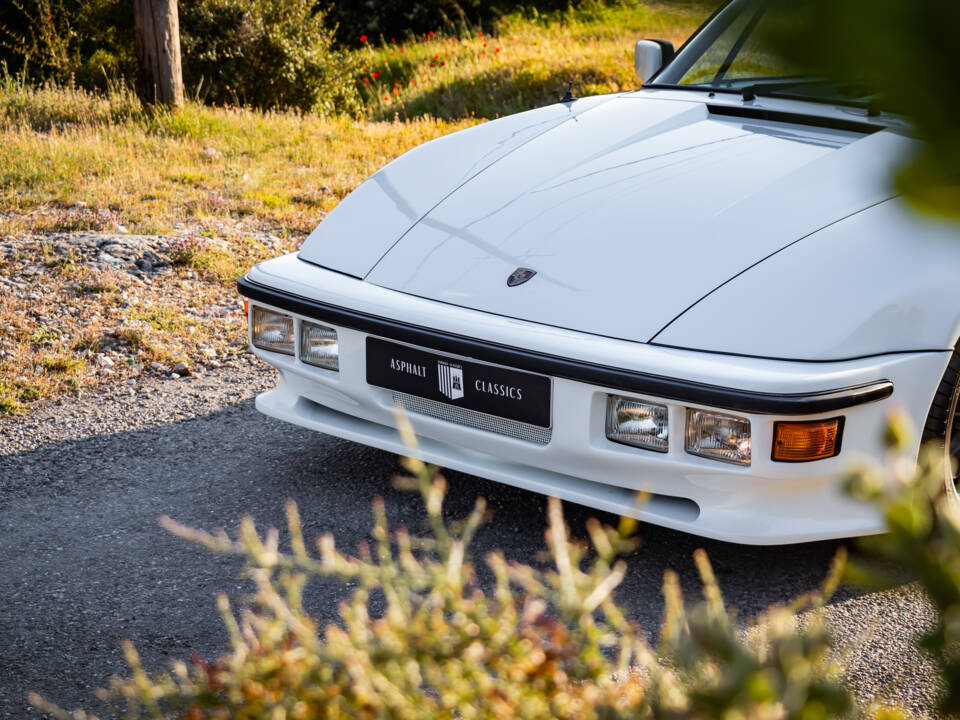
{"x": 734, "y": 53}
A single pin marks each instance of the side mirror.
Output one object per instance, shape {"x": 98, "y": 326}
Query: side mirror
{"x": 651, "y": 55}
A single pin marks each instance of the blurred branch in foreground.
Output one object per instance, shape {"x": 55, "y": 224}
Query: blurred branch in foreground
{"x": 907, "y": 51}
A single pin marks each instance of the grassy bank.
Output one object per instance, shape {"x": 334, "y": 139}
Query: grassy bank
{"x": 231, "y": 186}
{"x": 527, "y": 63}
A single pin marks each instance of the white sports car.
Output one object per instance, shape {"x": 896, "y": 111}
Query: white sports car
{"x": 706, "y": 290}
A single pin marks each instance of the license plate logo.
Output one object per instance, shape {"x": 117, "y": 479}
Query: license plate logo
{"x": 451, "y": 379}
{"x": 491, "y": 389}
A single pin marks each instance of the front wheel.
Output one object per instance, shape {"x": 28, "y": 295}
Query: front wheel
{"x": 943, "y": 422}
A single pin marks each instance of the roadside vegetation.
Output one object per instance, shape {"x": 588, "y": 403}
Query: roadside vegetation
{"x": 425, "y": 632}
{"x": 220, "y": 188}
{"x": 122, "y": 230}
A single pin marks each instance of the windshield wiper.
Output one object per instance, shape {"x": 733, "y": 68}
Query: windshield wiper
{"x": 752, "y": 92}
{"x": 864, "y": 100}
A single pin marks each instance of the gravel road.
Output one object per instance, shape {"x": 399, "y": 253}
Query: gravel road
{"x": 83, "y": 563}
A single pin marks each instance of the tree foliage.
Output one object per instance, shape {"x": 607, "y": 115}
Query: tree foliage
{"x": 905, "y": 50}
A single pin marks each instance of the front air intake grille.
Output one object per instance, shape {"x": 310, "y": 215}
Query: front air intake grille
{"x": 474, "y": 419}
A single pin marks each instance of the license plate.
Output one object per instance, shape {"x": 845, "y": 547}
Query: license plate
{"x": 511, "y": 394}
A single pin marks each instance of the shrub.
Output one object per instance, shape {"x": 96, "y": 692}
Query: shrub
{"x": 90, "y": 41}
{"x": 266, "y": 53}
{"x": 187, "y": 250}
{"x": 541, "y": 643}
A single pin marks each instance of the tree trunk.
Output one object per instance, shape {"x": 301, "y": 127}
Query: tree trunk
{"x": 157, "y": 29}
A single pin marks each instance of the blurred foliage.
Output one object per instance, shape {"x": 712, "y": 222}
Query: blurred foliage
{"x": 547, "y": 642}
{"x": 922, "y": 545}
{"x": 905, "y": 51}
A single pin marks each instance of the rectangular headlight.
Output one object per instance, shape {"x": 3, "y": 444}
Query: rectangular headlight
{"x": 272, "y": 331}
{"x": 637, "y": 423}
{"x": 719, "y": 437}
{"x": 318, "y": 346}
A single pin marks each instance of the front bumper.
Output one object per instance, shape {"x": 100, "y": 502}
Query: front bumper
{"x": 765, "y": 503}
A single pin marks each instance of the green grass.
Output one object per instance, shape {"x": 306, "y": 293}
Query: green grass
{"x": 526, "y": 63}
{"x": 72, "y": 160}
{"x": 152, "y": 169}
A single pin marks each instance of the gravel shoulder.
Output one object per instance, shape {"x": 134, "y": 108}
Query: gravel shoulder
{"x": 84, "y": 564}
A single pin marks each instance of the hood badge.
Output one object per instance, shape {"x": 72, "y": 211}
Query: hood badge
{"x": 520, "y": 276}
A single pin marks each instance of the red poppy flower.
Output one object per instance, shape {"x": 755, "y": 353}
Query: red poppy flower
{"x": 436, "y": 57}
{"x": 366, "y": 79}
{"x": 430, "y": 34}
{"x": 497, "y": 50}
{"x": 376, "y": 75}
{"x": 363, "y": 38}
{"x": 443, "y": 62}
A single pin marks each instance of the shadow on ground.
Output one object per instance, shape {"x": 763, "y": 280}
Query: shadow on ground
{"x": 84, "y": 564}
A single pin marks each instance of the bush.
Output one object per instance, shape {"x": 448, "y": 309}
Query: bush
{"x": 90, "y": 42}
{"x": 541, "y": 643}
{"x": 265, "y": 53}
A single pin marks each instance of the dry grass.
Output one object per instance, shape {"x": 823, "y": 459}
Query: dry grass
{"x": 81, "y": 331}
{"x": 280, "y": 169}
{"x": 223, "y": 178}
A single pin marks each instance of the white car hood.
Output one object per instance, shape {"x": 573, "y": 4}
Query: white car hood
{"x": 630, "y": 211}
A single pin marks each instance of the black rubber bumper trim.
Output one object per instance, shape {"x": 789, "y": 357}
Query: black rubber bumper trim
{"x": 609, "y": 377}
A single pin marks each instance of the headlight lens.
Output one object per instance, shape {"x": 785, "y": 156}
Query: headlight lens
{"x": 318, "y": 346}
{"x": 637, "y": 423}
{"x": 272, "y": 331}
{"x": 719, "y": 437}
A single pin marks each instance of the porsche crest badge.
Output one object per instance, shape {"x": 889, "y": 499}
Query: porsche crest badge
{"x": 520, "y": 276}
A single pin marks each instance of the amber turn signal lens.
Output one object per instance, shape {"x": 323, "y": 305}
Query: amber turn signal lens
{"x": 805, "y": 441}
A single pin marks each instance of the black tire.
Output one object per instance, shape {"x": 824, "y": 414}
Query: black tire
{"x": 943, "y": 422}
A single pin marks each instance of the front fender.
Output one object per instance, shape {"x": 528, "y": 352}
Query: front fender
{"x": 884, "y": 280}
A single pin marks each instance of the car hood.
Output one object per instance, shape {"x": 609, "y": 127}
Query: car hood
{"x": 630, "y": 211}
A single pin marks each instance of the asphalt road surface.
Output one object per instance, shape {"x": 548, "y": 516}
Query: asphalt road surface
{"x": 83, "y": 563}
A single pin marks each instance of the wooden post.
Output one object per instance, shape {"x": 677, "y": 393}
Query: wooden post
{"x": 157, "y": 29}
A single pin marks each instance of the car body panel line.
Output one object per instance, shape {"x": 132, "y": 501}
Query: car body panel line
{"x": 591, "y": 373}
{"x": 759, "y": 262}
